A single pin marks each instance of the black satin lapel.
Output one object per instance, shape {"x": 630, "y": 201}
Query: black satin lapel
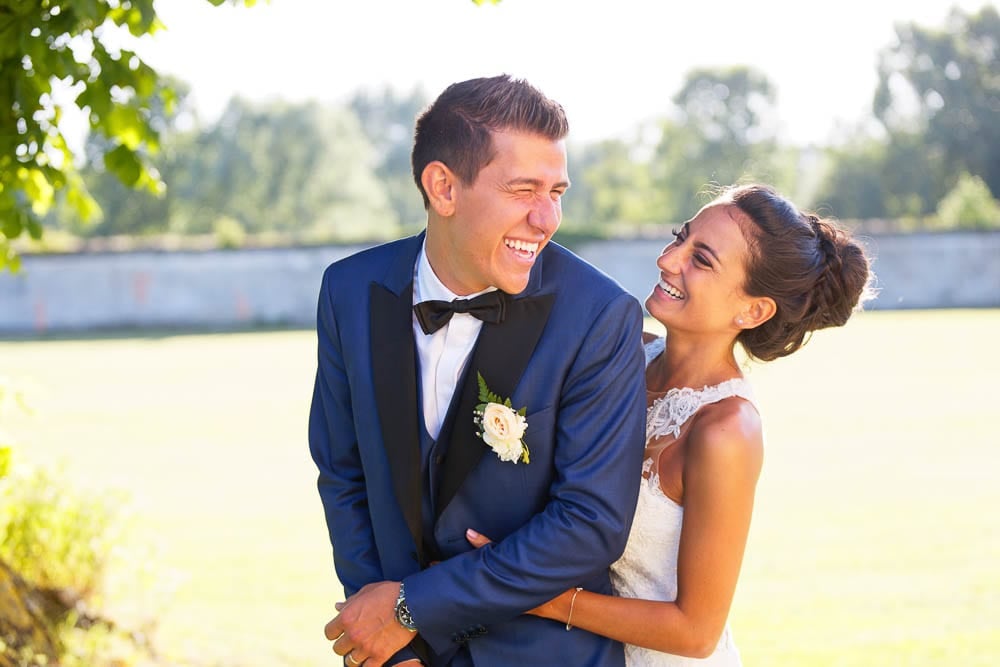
{"x": 394, "y": 374}
{"x": 501, "y": 355}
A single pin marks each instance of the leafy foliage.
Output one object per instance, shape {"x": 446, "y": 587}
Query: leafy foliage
{"x": 969, "y": 205}
{"x": 302, "y": 169}
{"x": 387, "y": 119}
{"x": 725, "y": 133}
{"x": 941, "y": 85}
{"x": 54, "y": 538}
{"x": 61, "y": 56}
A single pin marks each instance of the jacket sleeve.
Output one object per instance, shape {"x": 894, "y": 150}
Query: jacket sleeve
{"x": 584, "y": 526}
{"x": 334, "y": 448}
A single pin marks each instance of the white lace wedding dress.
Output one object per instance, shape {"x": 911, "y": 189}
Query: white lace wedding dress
{"x": 648, "y": 568}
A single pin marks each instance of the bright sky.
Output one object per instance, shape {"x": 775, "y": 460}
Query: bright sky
{"x": 611, "y": 63}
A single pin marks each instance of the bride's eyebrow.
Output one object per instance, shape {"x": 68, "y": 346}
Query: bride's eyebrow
{"x": 701, "y": 245}
{"x": 707, "y": 248}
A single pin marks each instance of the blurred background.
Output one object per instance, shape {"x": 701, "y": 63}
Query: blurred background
{"x": 175, "y": 176}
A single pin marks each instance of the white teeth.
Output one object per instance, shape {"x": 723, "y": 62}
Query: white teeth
{"x": 521, "y": 245}
{"x": 670, "y": 289}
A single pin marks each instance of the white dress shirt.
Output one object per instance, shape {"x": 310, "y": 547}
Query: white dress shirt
{"x": 444, "y": 353}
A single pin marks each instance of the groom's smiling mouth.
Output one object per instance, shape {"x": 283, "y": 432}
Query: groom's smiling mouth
{"x": 671, "y": 291}
{"x": 523, "y": 249}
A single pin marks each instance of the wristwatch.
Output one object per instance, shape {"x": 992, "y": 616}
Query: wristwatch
{"x": 403, "y": 612}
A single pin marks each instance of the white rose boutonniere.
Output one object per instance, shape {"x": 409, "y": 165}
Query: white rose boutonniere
{"x": 500, "y": 426}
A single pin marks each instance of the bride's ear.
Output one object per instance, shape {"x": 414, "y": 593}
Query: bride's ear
{"x": 757, "y": 311}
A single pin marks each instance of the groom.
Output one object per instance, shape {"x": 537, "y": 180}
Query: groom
{"x": 406, "y": 330}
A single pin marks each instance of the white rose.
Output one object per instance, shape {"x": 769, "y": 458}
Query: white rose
{"x": 502, "y": 431}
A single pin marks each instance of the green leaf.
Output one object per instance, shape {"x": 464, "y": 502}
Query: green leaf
{"x": 126, "y": 124}
{"x": 12, "y": 224}
{"x": 5, "y": 455}
{"x": 123, "y": 163}
{"x": 12, "y": 261}
{"x": 484, "y": 391}
{"x": 80, "y": 200}
{"x": 34, "y": 229}
{"x": 4, "y": 252}
{"x": 37, "y": 188}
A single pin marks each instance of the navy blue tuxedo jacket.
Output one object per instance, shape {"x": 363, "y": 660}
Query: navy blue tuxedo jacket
{"x": 569, "y": 351}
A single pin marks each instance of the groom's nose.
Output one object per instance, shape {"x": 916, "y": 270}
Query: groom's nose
{"x": 545, "y": 215}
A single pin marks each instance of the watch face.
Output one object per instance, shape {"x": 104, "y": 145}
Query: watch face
{"x": 403, "y": 612}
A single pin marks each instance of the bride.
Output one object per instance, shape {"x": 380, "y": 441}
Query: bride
{"x": 751, "y": 269}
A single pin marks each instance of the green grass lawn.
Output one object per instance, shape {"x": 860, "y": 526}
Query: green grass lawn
{"x": 876, "y": 538}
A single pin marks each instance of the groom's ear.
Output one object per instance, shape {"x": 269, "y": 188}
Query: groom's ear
{"x": 439, "y": 184}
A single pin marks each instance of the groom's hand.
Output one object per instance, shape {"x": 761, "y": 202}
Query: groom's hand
{"x": 366, "y": 627}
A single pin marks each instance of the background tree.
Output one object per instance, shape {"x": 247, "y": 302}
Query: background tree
{"x": 59, "y": 57}
{"x": 724, "y": 132}
{"x": 388, "y": 118}
{"x": 853, "y": 189}
{"x": 969, "y": 205}
{"x": 305, "y": 168}
{"x": 612, "y": 185}
{"x": 939, "y": 87}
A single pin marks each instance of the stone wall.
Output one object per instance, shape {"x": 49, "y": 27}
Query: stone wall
{"x": 225, "y": 289}
{"x": 925, "y": 270}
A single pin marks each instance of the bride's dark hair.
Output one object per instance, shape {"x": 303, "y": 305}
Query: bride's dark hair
{"x": 812, "y": 268}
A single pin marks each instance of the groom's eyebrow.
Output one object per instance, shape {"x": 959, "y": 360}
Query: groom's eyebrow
{"x": 536, "y": 183}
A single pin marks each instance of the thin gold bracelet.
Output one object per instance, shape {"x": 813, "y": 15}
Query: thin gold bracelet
{"x": 571, "y": 603}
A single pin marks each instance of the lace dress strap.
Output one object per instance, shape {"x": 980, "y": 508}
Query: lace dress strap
{"x": 669, "y": 412}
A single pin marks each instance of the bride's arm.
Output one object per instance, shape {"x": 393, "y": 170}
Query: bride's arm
{"x": 723, "y": 457}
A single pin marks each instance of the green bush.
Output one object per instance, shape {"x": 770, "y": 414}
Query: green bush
{"x": 72, "y": 546}
{"x": 969, "y": 205}
{"x": 56, "y": 538}
{"x": 229, "y": 233}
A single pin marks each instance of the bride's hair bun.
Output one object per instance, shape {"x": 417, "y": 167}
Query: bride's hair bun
{"x": 814, "y": 270}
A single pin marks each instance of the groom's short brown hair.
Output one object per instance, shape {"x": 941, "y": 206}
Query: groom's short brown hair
{"x": 457, "y": 129}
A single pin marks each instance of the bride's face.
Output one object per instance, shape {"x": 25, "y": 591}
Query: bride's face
{"x": 702, "y": 273}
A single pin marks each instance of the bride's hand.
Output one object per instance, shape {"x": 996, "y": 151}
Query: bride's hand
{"x": 550, "y": 609}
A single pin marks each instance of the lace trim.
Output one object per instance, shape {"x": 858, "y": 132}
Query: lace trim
{"x": 668, "y": 413}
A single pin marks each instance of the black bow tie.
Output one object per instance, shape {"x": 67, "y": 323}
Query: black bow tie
{"x": 490, "y": 307}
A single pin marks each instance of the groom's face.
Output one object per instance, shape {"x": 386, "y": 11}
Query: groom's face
{"x": 506, "y": 216}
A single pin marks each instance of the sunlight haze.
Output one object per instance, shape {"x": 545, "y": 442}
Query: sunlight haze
{"x": 613, "y": 65}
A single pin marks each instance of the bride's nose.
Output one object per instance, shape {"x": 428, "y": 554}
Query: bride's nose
{"x": 669, "y": 260}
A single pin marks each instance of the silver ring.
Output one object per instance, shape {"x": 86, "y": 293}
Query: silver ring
{"x": 350, "y": 659}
